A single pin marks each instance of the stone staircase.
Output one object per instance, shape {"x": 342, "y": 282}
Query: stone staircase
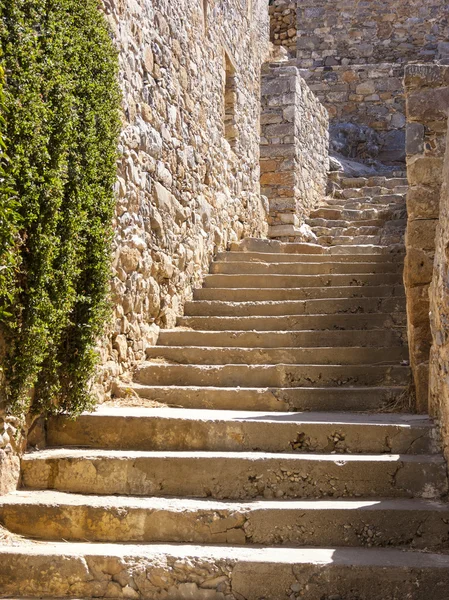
{"x": 264, "y": 451}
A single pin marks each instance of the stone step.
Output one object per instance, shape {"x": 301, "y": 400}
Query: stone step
{"x": 276, "y": 246}
{"x": 132, "y": 428}
{"x": 376, "y": 193}
{"x": 351, "y": 214}
{"x": 360, "y": 239}
{"x": 270, "y": 246}
{"x": 180, "y": 572}
{"x": 283, "y": 339}
{"x": 365, "y": 191}
{"x": 346, "y": 231}
{"x": 187, "y": 355}
{"x": 295, "y": 322}
{"x": 381, "y": 203}
{"x": 295, "y": 307}
{"x": 390, "y": 250}
{"x": 320, "y": 268}
{"x": 342, "y": 398}
{"x": 267, "y": 294}
{"x": 285, "y": 375}
{"x": 288, "y": 281}
{"x": 50, "y": 515}
{"x": 235, "y": 475}
{"x": 358, "y": 182}
{"x": 277, "y": 257}
{"x": 320, "y": 222}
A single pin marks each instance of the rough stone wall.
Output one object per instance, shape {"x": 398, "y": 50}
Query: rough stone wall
{"x": 294, "y": 148}
{"x": 342, "y": 32}
{"x": 439, "y": 314}
{"x": 370, "y": 95}
{"x": 427, "y": 95}
{"x": 283, "y": 24}
{"x": 355, "y": 53}
{"x": 182, "y": 192}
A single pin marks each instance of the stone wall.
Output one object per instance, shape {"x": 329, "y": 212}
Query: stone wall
{"x": 355, "y": 53}
{"x": 439, "y": 314}
{"x": 294, "y": 148}
{"x": 183, "y": 193}
{"x": 427, "y": 95}
{"x": 370, "y": 95}
{"x": 343, "y": 32}
{"x": 283, "y": 24}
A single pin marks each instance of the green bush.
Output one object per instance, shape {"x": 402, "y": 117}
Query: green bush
{"x": 61, "y": 123}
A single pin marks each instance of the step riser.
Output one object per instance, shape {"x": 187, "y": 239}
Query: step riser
{"x": 241, "y": 268}
{"x": 384, "y": 239}
{"x": 273, "y": 400}
{"x": 353, "y": 216}
{"x": 258, "y": 356}
{"x": 228, "y": 476}
{"x": 291, "y": 526}
{"x": 389, "y": 250}
{"x": 272, "y": 375}
{"x": 295, "y": 323}
{"x": 295, "y": 281}
{"x": 276, "y": 257}
{"x": 275, "y": 246}
{"x": 182, "y": 573}
{"x": 261, "y": 295}
{"x": 283, "y": 339}
{"x": 177, "y": 434}
{"x": 300, "y": 307}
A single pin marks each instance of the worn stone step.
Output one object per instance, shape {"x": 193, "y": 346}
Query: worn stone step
{"x": 235, "y": 475}
{"x": 357, "y": 192}
{"x": 282, "y": 339}
{"x": 267, "y": 294}
{"x": 362, "y": 240}
{"x": 132, "y": 428}
{"x": 376, "y": 194}
{"x": 269, "y": 246}
{"x": 390, "y": 250}
{"x": 321, "y": 222}
{"x": 288, "y": 281}
{"x": 295, "y": 307}
{"x": 274, "y": 356}
{"x": 271, "y": 375}
{"x": 385, "y": 204}
{"x": 343, "y": 398}
{"x": 346, "y": 231}
{"x": 278, "y": 257}
{"x": 276, "y": 246}
{"x": 175, "y": 572}
{"x": 359, "y": 182}
{"x": 308, "y": 268}
{"x": 296, "y": 322}
{"x": 352, "y": 215}
{"x": 50, "y": 515}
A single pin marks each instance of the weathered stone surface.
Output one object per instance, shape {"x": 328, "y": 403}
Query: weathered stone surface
{"x": 181, "y": 573}
{"x": 426, "y": 88}
{"x": 370, "y": 33}
{"x": 439, "y": 315}
{"x": 182, "y": 192}
{"x": 294, "y": 150}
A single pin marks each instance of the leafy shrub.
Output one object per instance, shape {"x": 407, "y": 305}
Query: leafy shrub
{"x": 61, "y": 122}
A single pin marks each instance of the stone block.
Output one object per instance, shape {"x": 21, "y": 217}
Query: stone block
{"x": 424, "y": 170}
{"x": 421, "y": 234}
{"x": 415, "y": 138}
{"x": 423, "y": 202}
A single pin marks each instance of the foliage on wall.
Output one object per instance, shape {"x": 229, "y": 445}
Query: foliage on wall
{"x": 61, "y": 123}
